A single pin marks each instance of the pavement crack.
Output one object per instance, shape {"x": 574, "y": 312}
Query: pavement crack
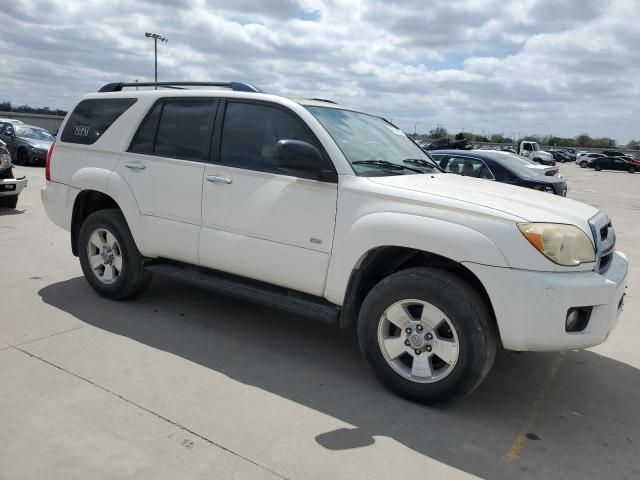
{"x": 145, "y": 409}
{"x": 48, "y": 336}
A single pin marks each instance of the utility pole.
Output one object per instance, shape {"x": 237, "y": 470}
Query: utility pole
{"x": 156, "y": 37}
{"x": 415, "y": 128}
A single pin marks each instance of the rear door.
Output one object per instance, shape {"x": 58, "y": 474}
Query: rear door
{"x": 259, "y": 221}
{"x": 164, "y": 167}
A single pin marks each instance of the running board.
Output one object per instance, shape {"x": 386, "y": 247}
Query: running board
{"x": 247, "y": 289}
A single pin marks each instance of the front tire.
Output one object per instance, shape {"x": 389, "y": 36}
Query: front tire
{"x": 583, "y": 164}
{"x": 427, "y": 335}
{"x": 632, "y": 169}
{"x": 597, "y": 168}
{"x": 109, "y": 258}
{"x": 23, "y": 157}
{"x": 9, "y": 202}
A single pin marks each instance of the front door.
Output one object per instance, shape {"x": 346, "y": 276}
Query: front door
{"x": 258, "y": 221}
{"x": 164, "y": 168}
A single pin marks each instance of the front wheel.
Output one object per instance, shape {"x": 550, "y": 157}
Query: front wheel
{"x": 632, "y": 169}
{"x": 9, "y": 202}
{"x": 597, "y": 168}
{"x": 427, "y": 335}
{"x": 23, "y": 157}
{"x": 109, "y": 258}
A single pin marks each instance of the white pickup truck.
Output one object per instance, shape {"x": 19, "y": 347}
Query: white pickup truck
{"x": 330, "y": 213}
{"x": 531, "y": 150}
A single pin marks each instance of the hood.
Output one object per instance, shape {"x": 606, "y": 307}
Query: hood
{"x": 541, "y": 154}
{"x": 525, "y": 203}
{"x": 43, "y": 144}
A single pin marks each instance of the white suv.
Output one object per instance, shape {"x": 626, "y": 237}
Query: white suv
{"x": 334, "y": 214}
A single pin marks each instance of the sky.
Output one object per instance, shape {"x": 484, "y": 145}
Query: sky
{"x": 559, "y": 67}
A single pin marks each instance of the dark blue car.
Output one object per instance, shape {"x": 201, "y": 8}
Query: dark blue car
{"x": 502, "y": 167}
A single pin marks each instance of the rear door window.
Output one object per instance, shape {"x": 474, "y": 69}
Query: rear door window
{"x": 92, "y": 118}
{"x": 177, "y": 129}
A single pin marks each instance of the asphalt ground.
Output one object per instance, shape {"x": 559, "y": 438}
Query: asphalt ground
{"x": 182, "y": 383}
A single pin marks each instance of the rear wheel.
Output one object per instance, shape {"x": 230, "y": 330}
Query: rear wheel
{"x": 427, "y": 335}
{"x": 632, "y": 169}
{"x": 110, "y": 260}
{"x": 583, "y": 164}
{"x": 597, "y": 168}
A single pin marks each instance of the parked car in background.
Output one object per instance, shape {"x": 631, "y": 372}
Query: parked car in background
{"x": 10, "y": 187}
{"x": 27, "y": 144}
{"x": 586, "y": 158}
{"x": 615, "y": 163}
{"x": 613, "y": 153}
{"x": 447, "y": 143}
{"x": 560, "y": 156}
{"x": 499, "y": 166}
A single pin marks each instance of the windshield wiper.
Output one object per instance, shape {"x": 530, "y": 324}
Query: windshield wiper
{"x": 421, "y": 162}
{"x": 386, "y": 164}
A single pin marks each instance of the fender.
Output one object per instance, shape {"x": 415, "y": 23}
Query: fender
{"x": 111, "y": 184}
{"x": 449, "y": 240}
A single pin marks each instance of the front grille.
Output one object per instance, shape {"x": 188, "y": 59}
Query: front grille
{"x": 605, "y": 241}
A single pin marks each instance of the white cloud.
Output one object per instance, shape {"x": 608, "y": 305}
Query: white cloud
{"x": 539, "y": 66}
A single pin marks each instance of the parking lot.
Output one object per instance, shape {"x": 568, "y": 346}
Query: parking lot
{"x": 181, "y": 383}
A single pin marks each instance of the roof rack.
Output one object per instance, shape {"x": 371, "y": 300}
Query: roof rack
{"x": 236, "y": 86}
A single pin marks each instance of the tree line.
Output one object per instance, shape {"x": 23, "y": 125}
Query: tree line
{"x": 580, "y": 141}
{"x": 8, "y": 107}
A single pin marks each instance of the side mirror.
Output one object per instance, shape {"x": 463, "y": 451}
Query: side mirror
{"x": 298, "y": 157}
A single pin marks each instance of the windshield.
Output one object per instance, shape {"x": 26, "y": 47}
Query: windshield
{"x": 33, "y": 133}
{"x": 372, "y": 145}
{"x": 535, "y": 147}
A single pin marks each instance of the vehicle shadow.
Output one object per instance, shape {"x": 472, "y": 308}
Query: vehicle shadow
{"x": 571, "y": 415}
{"x": 5, "y": 212}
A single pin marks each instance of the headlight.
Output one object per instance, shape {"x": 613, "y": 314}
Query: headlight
{"x": 5, "y": 160}
{"x": 562, "y": 244}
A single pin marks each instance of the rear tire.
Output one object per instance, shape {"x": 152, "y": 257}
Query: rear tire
{"x": 437, "y": 314}
{"x": 109, "y": 258}
{"x": 597, "y": 168}
{"x": 583, "y": 164}
{"x": 632, "y": 169}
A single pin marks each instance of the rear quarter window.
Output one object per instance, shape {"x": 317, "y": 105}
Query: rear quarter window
{"x": 92, "y": 118}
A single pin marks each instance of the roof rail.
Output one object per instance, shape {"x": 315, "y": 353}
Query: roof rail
{"x": 236, "y": 86}
{"x": 323, "y": 100}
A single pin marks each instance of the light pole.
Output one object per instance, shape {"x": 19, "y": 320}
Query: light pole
{"x": 415, "y": 128}
{"x": 156, "y": 37}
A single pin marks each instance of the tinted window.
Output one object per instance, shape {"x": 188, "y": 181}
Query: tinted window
{"x": 92, "y": 118}
{"x": 251, "y": 131}
{"x": 143, "y": 143}
{"x": 184, "y": 129}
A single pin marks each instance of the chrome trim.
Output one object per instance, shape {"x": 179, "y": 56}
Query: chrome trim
{"x": 219, "y": 179}
{"x": 605, "y": 244}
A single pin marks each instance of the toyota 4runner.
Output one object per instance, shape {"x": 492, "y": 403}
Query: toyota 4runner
{"x": 330, "y": 213}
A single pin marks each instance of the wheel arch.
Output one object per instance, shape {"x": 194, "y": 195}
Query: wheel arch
{"x": 87, "y": 202}
{"x": 380, "y": 262}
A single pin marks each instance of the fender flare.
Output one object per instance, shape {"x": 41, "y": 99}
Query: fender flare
{"x": 447, "y": 239}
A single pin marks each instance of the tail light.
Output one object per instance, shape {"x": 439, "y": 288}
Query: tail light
{"x": 47, "y": 169}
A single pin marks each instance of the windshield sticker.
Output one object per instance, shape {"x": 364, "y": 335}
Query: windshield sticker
{"x": 81, "y": 131}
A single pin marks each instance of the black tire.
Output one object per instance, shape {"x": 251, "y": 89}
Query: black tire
{"x": 466, "y": 310}
{"x": 597, "y": 168}
{"x": 23, "y": 157}
{"x": 583, "y": 164}
{"x": 133, "y": 278}
{"x": 632, "y": 169}
{"x": 9, "y": 202}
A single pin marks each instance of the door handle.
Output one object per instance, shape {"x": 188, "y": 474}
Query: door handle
{"x": 219, "y": 179}
{"x": 135, "y": 166}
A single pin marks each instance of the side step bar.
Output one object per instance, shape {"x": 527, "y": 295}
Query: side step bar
{"x": 247, "y": 289}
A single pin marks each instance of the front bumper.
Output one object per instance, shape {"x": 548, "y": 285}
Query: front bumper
{"x": 531, "y": 307}
{"x": 10, "y": 187}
